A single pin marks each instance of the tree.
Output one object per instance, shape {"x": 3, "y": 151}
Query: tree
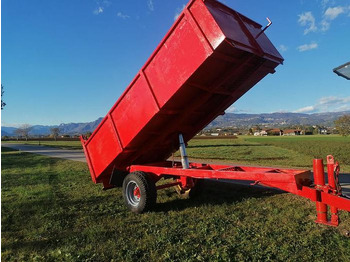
{"x": 342, "y": 124}
{"x": 309, "y": 130}
{"x": 3, "y": 104}
{"x": 88, "y": 134}
{"x": 55, "y": 131}
{"x": 23, "y": 131}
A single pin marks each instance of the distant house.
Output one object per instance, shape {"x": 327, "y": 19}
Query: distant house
{"x": 257, "y": 133}
{"x": 263, "y": 132}
{"x": 274, "y": 132}
{"x": 260, "y": 133}
{"x": 324, "y": 131}
{"x": 292, "y": 132}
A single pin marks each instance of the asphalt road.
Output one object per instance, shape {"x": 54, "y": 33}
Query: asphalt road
{"x": 78, "y": 155}
{"x": 75, "y": 155}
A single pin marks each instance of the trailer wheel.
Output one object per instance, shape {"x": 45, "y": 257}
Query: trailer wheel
{"x": 139, "y": 192}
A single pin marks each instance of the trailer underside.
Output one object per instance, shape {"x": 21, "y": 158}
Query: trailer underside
{"x": 296, "y": 181}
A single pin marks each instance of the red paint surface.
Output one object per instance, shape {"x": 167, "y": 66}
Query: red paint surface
{"x": 207, "y": 60}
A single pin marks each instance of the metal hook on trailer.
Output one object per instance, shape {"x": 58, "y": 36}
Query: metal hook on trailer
{"x": 267, "y": 26}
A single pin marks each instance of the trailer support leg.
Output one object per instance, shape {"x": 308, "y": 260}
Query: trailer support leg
{"x": 184, "y": 158}
{"x": 332, "y": 183}
{"x": 319, "y": 180}
{"x": 186, "y": 182}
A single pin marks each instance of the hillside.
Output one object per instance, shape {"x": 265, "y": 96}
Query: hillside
{"x": 70, "y": 128}
{"x": 227, "y": 120}
{"x": 276, "y": 119}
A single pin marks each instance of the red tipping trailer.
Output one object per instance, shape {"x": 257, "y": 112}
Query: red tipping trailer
{"x": 210, "y": 57}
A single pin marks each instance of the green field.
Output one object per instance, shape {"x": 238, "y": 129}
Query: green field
{"x": 51, "y": 211}
{"x": 284, "y": 151}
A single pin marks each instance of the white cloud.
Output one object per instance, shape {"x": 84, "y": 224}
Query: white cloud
{"x": 150, "y": 5}
{"x": 106, "y": 2}
{"x": 327, "y": 104}
{"x": 329, "y": 13}
{"x": 307, "y": 109}
{"x": 333, "y": 12}
{"x": 306, "y": 47}
{"x": 308, "y": 20}
{"x": 178, "y": 11}
{"x": 231, "y": 109}
{"x": 101, "y": 5}
{"x": 122, "y": 16}
{"x": 325, "y": 25}
{"x": 282, "y": 48}
{"x": 324, "y": 3}
{"x": 98, "y": 10}
{"x": 333, "y": 100}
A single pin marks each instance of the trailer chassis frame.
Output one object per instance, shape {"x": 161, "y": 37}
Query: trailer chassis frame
{"x": 296, "y": 181}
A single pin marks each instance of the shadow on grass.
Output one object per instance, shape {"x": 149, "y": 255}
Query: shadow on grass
{"x": 7, "y": 149}
{"x": 217, "y": 193}
{"x": 26, "y": 160}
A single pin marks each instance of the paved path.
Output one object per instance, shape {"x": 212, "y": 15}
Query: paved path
{"x": 75, "y": 155}
{"x": 78, "y": 155}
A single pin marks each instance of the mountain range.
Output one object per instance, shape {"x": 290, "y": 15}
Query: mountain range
{"x": 276, "y": 119}
{"x": 69, "y": 129}
{"x": 227, "y": 120}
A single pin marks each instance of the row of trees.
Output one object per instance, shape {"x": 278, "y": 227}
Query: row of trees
{"x": 342, "y": 124}
{"x": 3, "y": 104}
{"x": 23, "y": 131}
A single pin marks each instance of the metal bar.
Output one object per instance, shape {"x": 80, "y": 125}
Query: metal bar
{"x": 150, "y": 88}
{"x": 186, "y": 182}
{"x": 182, "y": 148}
{"x": 218, "y": 174}
{"x": 188, "y": 11}
{"x": 332, "y": 185}
{"x": 168, "y": 185}
{"x": 319, "y": 180}
{"x": 115, "y": 130}
{"x": 268, "y": 25}
{"x": 88, "y": 159}
{"x": 291, "y": 180}
{"x": 249, "y": 34}
{"x": 326, "y": 198}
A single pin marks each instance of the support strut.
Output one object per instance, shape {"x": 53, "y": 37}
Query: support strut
{"x": 321, "y": 187}
{"x": 186, "y": 182}
{"x": 319, "y": 181}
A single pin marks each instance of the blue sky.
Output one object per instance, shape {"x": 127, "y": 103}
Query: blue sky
{"x": 68, "y": 61}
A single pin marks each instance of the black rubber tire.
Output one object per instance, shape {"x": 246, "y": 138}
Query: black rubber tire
{"x": 148, "y": 192}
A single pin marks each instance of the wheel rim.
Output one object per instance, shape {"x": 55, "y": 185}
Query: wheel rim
{"x": 133, "y": 193}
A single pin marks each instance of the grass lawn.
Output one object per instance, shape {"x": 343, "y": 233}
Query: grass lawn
{"x": 285, "y": 151}
{"x": 297, "y": 152}
{"x": 51, "y": 211}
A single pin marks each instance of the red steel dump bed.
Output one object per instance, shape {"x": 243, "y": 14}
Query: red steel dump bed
{"x": 211, "y": 56}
